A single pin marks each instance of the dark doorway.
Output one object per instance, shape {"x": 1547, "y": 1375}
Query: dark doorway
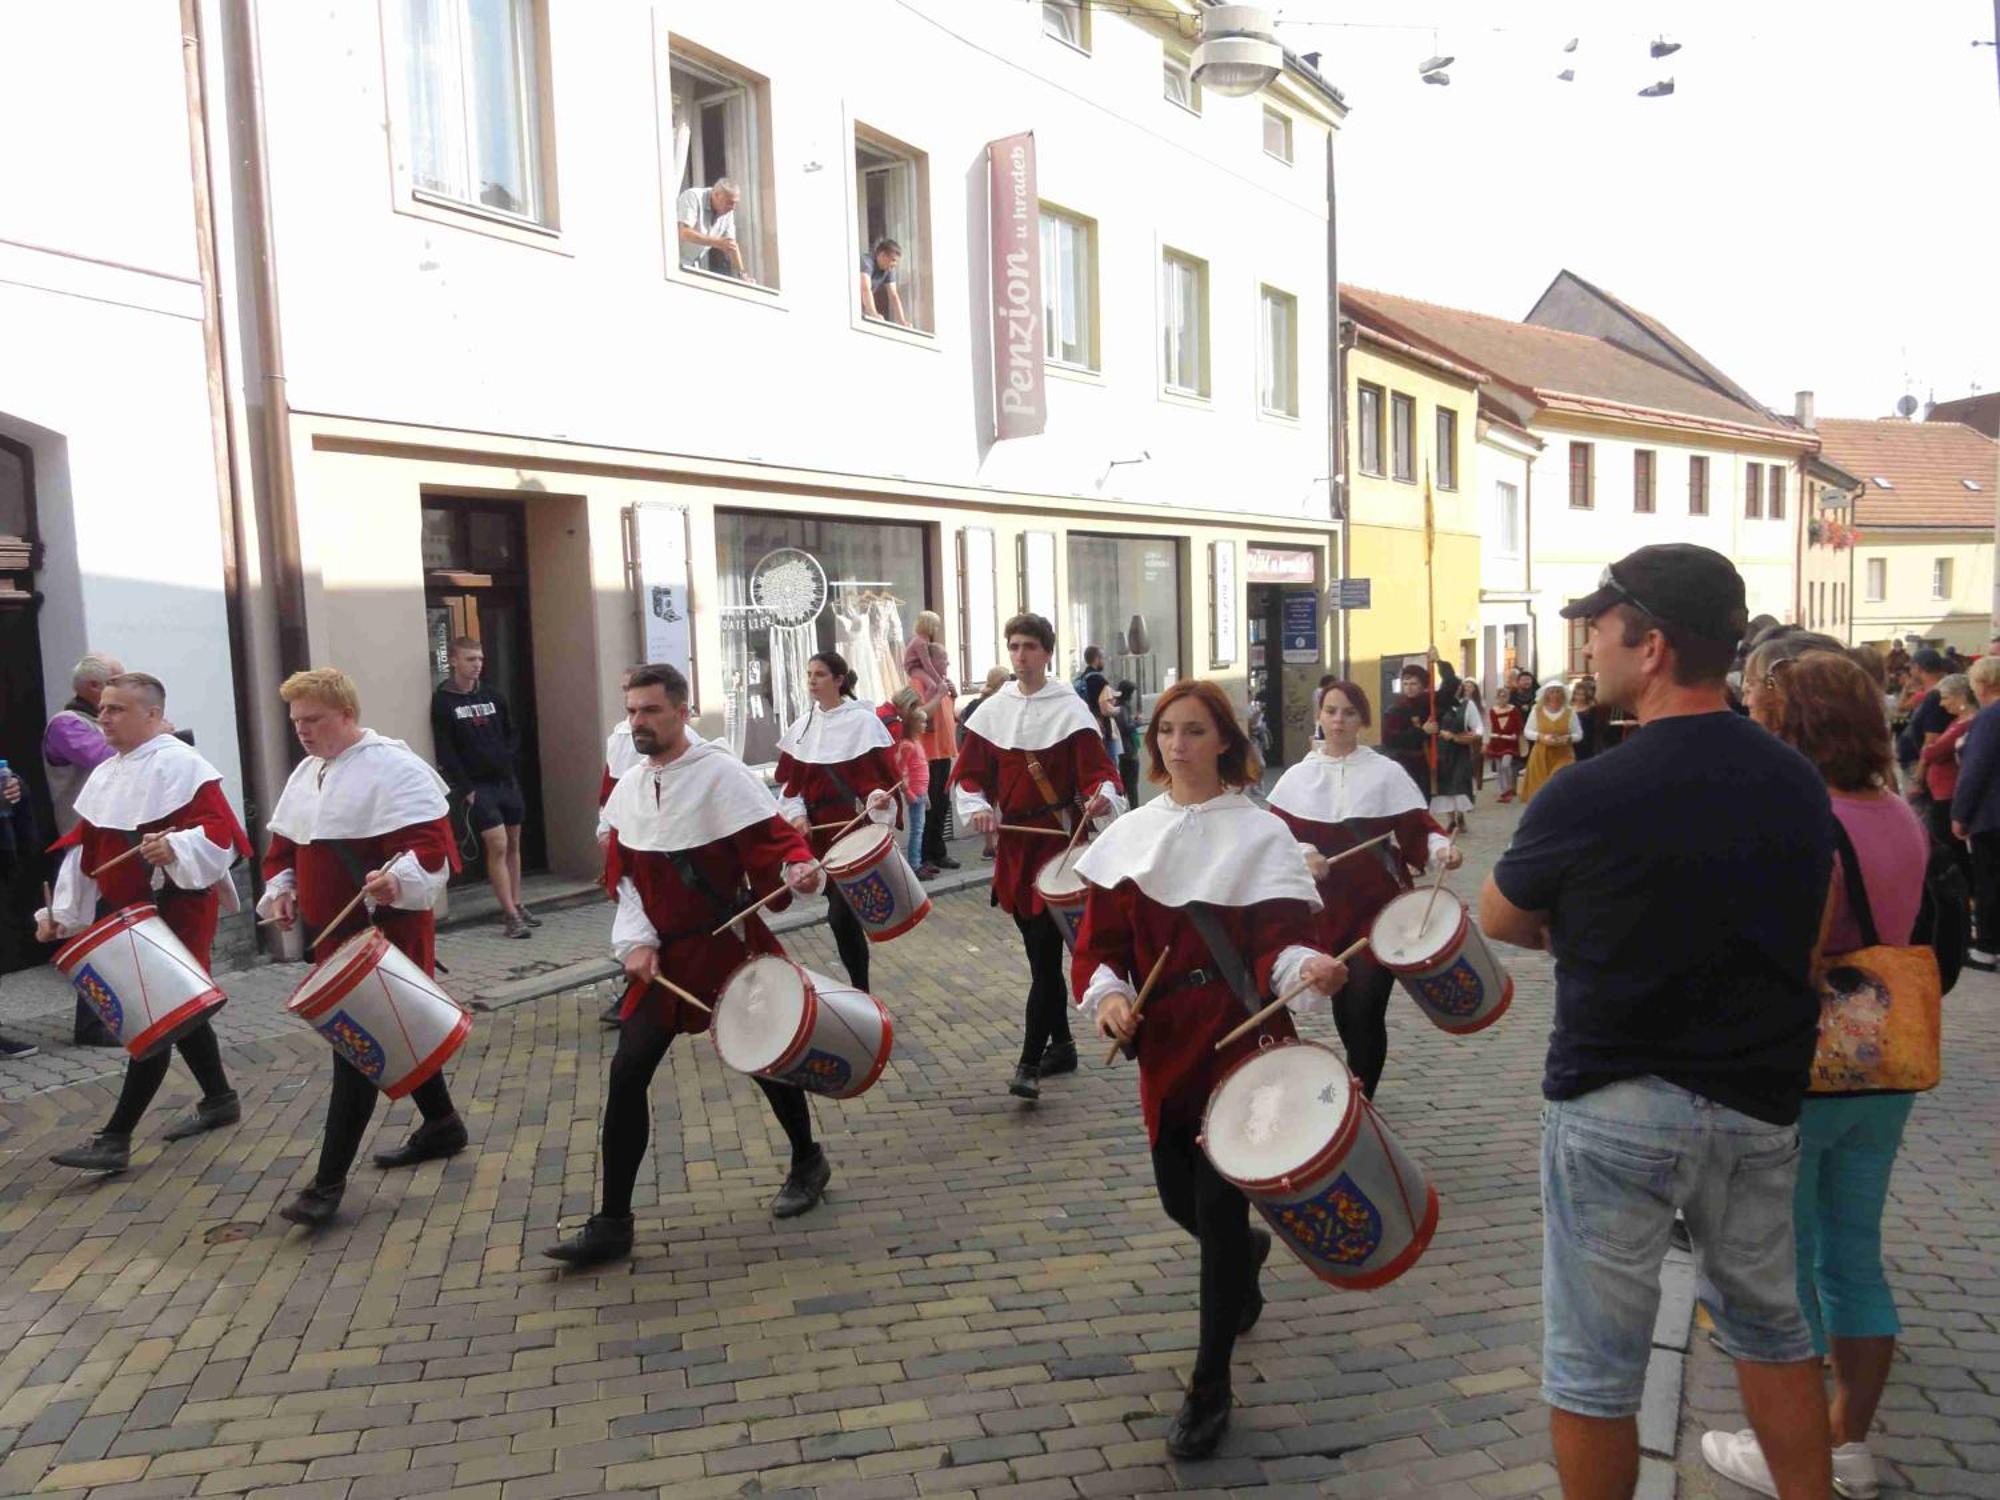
{"x": 1267, "y": 662}
{"x": 23, "y": 708}
{"x": 476, "y": 584}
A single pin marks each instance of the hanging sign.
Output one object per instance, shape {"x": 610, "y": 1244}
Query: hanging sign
{"x": 1350, "y": 593}
{"x": 1014, "y": 230}
{"x": 1222, "y": 648}
{"x": 666, "y": 612}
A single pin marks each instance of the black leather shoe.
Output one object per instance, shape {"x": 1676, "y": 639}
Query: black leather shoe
{"x": 315, "y": 1206}
{"x": 803, "y": 1189}
{"x": 103, "y": 1152}
{"x": 604, "y": 1237}
{"x": 1057, "y": 1058}
{"x": 1199, "y": 1424}
{"x": 1253, "y": 1308}
{"x": 433, "y": 1138}
{"x": 946, "y": 862}
{"x": 209, "y": 1114}
{"x": 1026, "y": 1083}
{"x": 609, "y": 1015}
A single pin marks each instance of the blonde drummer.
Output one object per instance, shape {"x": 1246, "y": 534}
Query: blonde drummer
{"x": 364, "y": 815}
{"x": 160, "y": 796}
{"x": 696, "y": 840}
{"x": 1212, "y": 883}
{"x": 1342, "y": 795}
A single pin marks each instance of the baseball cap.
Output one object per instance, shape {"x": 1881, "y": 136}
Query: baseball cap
{"x": 1681, "y": 584}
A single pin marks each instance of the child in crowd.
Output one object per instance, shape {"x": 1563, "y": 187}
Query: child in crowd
{"x": 916, "y": 774}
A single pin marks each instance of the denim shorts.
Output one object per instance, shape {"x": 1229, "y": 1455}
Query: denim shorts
{"x": 1616, "y": 1163}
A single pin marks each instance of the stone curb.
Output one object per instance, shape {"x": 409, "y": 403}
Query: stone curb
{"x": 1660, "y": 1405}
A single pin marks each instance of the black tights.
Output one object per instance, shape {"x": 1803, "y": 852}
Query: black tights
{"x": 349, "y": 1106}
{"x": 1361, "y": 1016}
{"x": 1218, "y": 1216}
{"x": 144, "y": 1075}
{"x": 848, "y": 936}
{"x": 1048, "y": 995}
{"x": 642, "y": 1045}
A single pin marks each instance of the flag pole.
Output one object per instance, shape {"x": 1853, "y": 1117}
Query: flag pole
{"x": 1430, "y": 609}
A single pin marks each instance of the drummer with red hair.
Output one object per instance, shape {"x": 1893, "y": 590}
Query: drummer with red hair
{"x": 360, "y": 814}
{"x": 1342, "y": 795}
{"x": 1207, "y": 881}
{"x": 165, "y": 799}
{"x": 696, "y": 840}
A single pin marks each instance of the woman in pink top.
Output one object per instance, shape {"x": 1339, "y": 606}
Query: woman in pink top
{"x": 914, "y": 766}
{"x": 1939, "y": 761}
{"x": 929, "y": 670}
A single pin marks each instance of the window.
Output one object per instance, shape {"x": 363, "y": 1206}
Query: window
{"x": 1277, "y": 134}
{"x": 1579, "y": 647}
{"x": 1125, "y": 595}
{"x": 1368, "y": 425}
{"x": 1178, "y": 80}
{"x": 721, "y": 141}
{"x": 892, "y": 193}
{"x": 476, "y": 98}
{"x": 1698, "y": 485}
{"x": 1753, "y": 491}
{"x": 1580, "y": 457}
{"x": 1402, "y": 436}
{"x": 1278, "y": 383}
{"x": 1840, "y": 604}
{"x": 1068, "y": 21}
{"x": 1184, "y": 317}
{"x": 1644, "y": 462}
{"x": 1069, "y": 289}
{"x": 1777, "y": 493}
{"x": 1447, "y": 448}
{"x": 1878, "y": 580}
{"x": 1507, "y": 505}
{"x": 1941, "y": 578}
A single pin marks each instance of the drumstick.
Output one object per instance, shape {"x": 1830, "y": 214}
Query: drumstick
{"x": 342, "y": 917}
{"x": 675, "y": 990}
{"x": 1051, "y": 833}
{"x": 1139, "y": 1004}
{"x": 1288, "y": 997}
{"x": 850, "y": 823}
{"x": 1081, "y": 824}
{"x": 1334, "y": 859}
{"x": 1444, "y": 869}
{"x": 117, "y": 859}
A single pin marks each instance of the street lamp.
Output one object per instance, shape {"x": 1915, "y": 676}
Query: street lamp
{"x": 1239, "y": 52}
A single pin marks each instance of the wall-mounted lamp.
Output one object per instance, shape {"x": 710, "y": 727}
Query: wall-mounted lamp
{"x": 1118, "y": 463}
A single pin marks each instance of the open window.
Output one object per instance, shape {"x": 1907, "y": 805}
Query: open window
{"x": 892, "y": 200}
{"x": 475, "y": 76}
{"x": 718, "y": 169}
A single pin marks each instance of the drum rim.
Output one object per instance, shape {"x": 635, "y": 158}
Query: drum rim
{"x": 886, "y": 840}
{"x": 1421, "y": 1235}
{"x": 1506, "y": 1003}
{"x": 364, "y": 961}
{"x": 426, "y": 1069}
{"x": 1436, "y": 960}
{"x": 181, "y": 1018}
{"x": 1063, "y": 898}
{"x": 809, "y": 992}
{"x": 1336, "y": 1148}
{"x": 105, "y": 926}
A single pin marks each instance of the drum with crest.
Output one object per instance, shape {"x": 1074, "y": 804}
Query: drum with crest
{"x": 377, "y": 1008}
{"x": 1429, "y": 941}
{"x": 1063, "y": 891}
{"x": 781, "y": 1021}
{"x": 139, "y": 978}
{"x": 876, "y": 879}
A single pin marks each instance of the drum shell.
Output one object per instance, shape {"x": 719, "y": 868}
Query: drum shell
{"x": 140, "y": 978}
{"x": 1065, "y": 907}
{"x": 881, "y": 889}
{"x": 1461, "y": 989}
{"x": 378, "y": 1009}
{"x": 1360, "y": 1212}
{"x": 842, "y": 1041}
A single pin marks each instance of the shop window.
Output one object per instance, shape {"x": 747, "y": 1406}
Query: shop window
{"x": 1878, "y": 580}
{"x": 1178, "y": 81}
{"x": 1277, "y": 134}
{"x": 1644, "y": 462}
{"x": 1069, "y": 289}
{"x": 1581, "y": 456}
{"x": 1447, "y": 448}
{"x": 476, "y": 85}
{"x": 1125, "y": 595}
{"x": 892, "y": 197}
{"x": 1184, "y": 319}
{"x": 1368, "y": 426}
{"x": 1068, "y": 21}
{"x": 1698, "y": 485}
{"x": 1278, "y": 387}
{"x": 791, "y": 585}
{"x": 719, "y": 168}
{"x": 1753, "y": 491}
{"x": 1402, "y": 436}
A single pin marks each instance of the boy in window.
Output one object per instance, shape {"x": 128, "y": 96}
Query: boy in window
{"x": 878, "y": 283}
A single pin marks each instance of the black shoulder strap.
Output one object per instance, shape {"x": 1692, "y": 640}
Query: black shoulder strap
{"x": 692, "y": 877}
{"x": 840, "y": 784}
{"x": 1227, "y": 959}
{"x": 1857, "y": 888}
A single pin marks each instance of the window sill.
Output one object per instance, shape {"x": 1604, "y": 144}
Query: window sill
{"x": 1283, "y": 161}
{"x": 1409, "y": 479}
{"x": 1081, "y": 50}
{"x": 752, "y": 292}
{"x": 417, "y": 203}
{"x": 1186, "y": 109}
{"x": 1194, "y": 399}
{"x": 1082, "y": 374}
{"x": 1280, "y": 418}
{"x": 896, "y": 333}
{"x": 1371, "y": 474}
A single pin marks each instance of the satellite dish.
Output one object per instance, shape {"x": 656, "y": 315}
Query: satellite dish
{"x": 1906, "y": 406}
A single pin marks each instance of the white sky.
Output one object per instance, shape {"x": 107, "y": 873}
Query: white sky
{"x": 1817, "y": 206}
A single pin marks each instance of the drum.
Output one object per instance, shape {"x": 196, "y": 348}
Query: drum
{"x": 1063, "y": 891}
{"x": 1290, "y": 1126}
{"x": 882, "y": 890}
{"x": 1446, "y": 967}
{"x": 785, "y": 1023}
{"x": 139, "y": 978}
{"x": 379, "y": 1010}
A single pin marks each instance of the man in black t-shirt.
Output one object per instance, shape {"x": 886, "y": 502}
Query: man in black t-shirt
{"x": 476, "y": 748}
{"x": 880, "y": 297}
{"x": 1679, "y": 885}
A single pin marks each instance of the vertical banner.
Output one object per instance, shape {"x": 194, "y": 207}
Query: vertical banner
{"x": 1222, "y": 611}
{"x": 1014, "y": 227}
{"x": 666, "y": 613}
{"x": 977, "y": 584}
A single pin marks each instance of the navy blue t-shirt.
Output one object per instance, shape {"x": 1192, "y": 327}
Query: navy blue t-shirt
{"x": 1685, "y": 875}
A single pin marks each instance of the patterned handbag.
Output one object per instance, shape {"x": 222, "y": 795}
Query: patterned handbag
{"x": 1879, "y": 1007}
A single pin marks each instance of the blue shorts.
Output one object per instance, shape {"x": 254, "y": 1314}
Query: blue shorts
{"x": 1616, "y": 1163}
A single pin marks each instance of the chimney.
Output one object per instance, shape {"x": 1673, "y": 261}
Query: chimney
{"x": 1802, "y": 409}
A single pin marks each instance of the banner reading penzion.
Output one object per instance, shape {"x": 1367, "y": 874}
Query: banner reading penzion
{"x": 1014, "y": 225}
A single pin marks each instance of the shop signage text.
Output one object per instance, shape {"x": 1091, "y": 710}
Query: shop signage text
{"x": 1350, "y": 593}
{"x": 1280, "y": 565}
{"x": 660, "y": 534}
{"x": 1014, "y": 228}
{"x": 1301, "y": 627}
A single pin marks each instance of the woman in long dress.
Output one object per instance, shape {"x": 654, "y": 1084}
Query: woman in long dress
{"x": 1551, "y": 731}
{"x": 1459, "y": 732}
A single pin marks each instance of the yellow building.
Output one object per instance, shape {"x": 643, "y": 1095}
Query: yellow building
{"x": 1411, "y": 432}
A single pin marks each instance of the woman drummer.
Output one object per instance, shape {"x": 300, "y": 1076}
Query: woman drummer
{"x": 1208, "y": 882}
{"x": 1341, "y": 795}
{"x": 830, "y": 763}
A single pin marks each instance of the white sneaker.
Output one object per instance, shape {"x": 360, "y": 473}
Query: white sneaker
{"x": 1854, "y": 1472}
{"x": 1736, "y": 1455}
{"x": 1979, "y": 958}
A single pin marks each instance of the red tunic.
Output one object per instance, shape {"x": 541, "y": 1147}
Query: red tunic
{"x": 825, "y": 801}
{"x": 1127, "y": 930}
{"x": 1076, "y": 768}
{"x": 190, "y": 915}
{"x": 685, "y": 918}
{"x": 1355, "y": 890}
{"x": 604, "y": 787}
{"x": 1503, "y": 731}
{"x": 325, "y": 886}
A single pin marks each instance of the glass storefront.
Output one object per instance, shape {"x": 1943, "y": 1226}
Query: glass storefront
{"x": 792, "y": 585}
{"x": 1125, "y": 595}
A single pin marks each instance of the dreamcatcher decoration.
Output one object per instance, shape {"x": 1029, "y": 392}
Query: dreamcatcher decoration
{"x": 788, "y": 588}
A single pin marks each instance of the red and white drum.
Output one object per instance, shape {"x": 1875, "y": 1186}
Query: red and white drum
{"x": 783, "y": 1022}
{"x": 1290, "y": 1126}
{"x": 882, "y": 890}
{"x": 1444, "y": 963}
{"x": 139, "y": 978}
{"x": 1063, "y": 891}
{"x": 379, "y": 1010}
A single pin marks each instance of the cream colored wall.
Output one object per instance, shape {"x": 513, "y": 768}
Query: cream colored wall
{"x": 1908, "y": 608}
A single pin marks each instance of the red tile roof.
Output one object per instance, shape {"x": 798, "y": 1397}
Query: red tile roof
{"x": 1926, "y": 464}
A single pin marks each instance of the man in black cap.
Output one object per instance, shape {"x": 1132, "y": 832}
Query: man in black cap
{"x": 1679, "y": 884}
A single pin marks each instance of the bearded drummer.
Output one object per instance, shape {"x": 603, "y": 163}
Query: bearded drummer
{"x": 696, "y": 840}
{"x": 1343, "y": 794}
{"x": 835, "y": 763}
{"x": 360, "y": 813}
{"x": 1214, "y": 883}
{"x": 1035, "y": 760}
{"x": 161, "y": 796}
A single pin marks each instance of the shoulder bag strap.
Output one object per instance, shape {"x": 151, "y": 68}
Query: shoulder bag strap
{"x": 1056, "y": 804}
{"x": 1857, "y": 888}
{"x": 1227, "y": 959}
{"x": 691, "y": 876}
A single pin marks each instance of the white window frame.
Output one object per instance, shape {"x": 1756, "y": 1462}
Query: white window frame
{"x": 1402, "y": 401}
{"x": 698, "y": 80}
{"x": 1507, "y": 518}
{"x": 905, "y": 174}
{"x": 1060, "y": 300}
{"x": 1941, "y": 571}
{"x": 1180, "y": 349}
{"x": 1377, "y": 430}
{"x": 1277, "y": 368}
{"x": 1073, "y": 33}
{"x": 1875, "y": 579}
{"x": 1447, "y": 453}
{"x": 1284, "y": 123}
{"x": 1176, "y": 66}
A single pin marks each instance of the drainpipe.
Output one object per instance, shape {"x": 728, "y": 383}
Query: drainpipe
{"x": 1336, "y": 431}
{"x": 1528, "y": 560}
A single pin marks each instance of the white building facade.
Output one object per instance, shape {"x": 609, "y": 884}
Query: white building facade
{"x": 1506, "y": 457}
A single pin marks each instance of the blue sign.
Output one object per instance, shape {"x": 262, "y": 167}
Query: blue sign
{"x": 1350, "y": 593}
{"x": 1300, "y": 630}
